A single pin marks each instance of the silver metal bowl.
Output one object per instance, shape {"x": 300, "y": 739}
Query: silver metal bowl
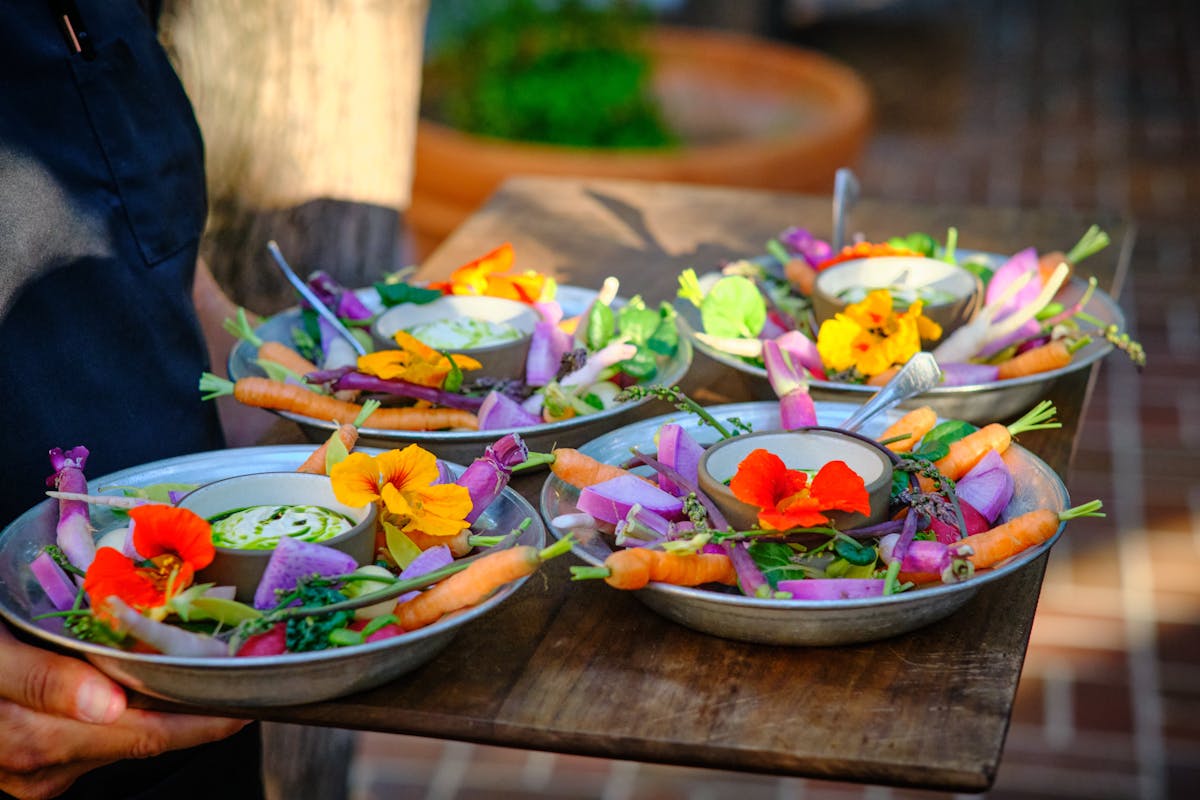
{"x": 976, "y": 403}
{"x": 464, "y": 446}
{"x": 804, "y": 622}
{"x": 234, "y": 682}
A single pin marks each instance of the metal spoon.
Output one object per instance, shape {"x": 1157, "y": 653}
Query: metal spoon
{"x": 311, "y": 296}
{"x": 920, "y": 374}
{"x": 845, "y": 195}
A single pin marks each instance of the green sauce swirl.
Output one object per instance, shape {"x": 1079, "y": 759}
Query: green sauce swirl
{"x": 261, "y": 527}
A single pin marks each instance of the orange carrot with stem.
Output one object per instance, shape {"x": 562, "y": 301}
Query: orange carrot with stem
{"x": 1092, "y": 241}
{"x": 634, "y": 567}
{"x": 990, "y": 547}
{"x": 476, "y": 583}
{"x": 459, "y": 544}
{"x": 1055, "y": 354}
{"x": 966, "y": 452}
{"x": 268, "y": 350}
{"x": 576, "y": 468}
{"x": 279, "y": 396}
{"x": 347, "y": 433}
{"x": 912, "y": 426}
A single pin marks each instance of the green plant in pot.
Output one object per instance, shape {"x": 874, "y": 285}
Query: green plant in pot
{"x": 566, "y": 73}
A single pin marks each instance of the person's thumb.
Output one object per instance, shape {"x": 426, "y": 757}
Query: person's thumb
{"x": 50, "y": 683}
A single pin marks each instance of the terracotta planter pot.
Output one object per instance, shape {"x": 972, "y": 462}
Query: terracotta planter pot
{"x": 752, "y": 113}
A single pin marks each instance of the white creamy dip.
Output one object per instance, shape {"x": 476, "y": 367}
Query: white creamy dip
{"x": 261, "y": 527}
{"x": 463, "y": 333}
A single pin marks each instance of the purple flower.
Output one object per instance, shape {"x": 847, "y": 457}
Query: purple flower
{"x": 487, "y": 476}
{"x": 800, "y": 242}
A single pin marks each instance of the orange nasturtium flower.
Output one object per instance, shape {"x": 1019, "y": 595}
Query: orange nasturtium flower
{"x": 786, "y": 497}
{"x": 174, "y": 544}
{"x": 871, "y": 336}
{"x": 491, "y": 274}
{"x": 403, "y": 482}
{"x": 415, "y": 362}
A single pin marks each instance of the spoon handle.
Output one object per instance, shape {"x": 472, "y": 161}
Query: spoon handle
{"x": 920, "y": 374}
{"x": 845, "y": 195}
{"x": 311, "y": 296}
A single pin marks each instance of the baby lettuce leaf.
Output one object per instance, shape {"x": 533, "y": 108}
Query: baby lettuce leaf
{"x": 733, "y": 308}
{"x": 665, "y": 339}
{"x": 775, "y": 561}
{"x": 601, "y": 325}
{"x": 934, "y": 445}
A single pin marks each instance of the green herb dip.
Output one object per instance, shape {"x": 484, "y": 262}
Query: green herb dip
{"x": 261, "y": 527}
{"x": 463, "y": 333}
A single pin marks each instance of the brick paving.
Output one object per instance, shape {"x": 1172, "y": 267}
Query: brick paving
{"x": 1088, "y": 106}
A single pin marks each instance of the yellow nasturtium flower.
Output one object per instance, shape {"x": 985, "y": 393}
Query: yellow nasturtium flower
{"x": 870, "y": 336}
{"x": 402, "y": 481}
{"x": 415, "y": 362}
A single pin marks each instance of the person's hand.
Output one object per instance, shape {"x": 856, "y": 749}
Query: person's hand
{"x": 60, "y": 717}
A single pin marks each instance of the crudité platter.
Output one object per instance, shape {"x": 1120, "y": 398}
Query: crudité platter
{"x": 261, "y": 672}
{"x": 729, "y": 311}
{"x": 624, "y": 340}
{"x": 774, "y": 617}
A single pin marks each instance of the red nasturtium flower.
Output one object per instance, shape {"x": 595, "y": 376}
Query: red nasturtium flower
{"x": 788, "y": 499}
{"x": 173, "y": 542}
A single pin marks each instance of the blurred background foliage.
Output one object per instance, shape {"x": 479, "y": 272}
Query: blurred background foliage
{"x": 566, "y": 72}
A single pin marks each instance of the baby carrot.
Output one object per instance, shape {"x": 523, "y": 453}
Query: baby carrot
{"x": 279, "y": 396}
{"x": 990, "y": 547}
{"x": 915, "y": 424}
{"x": 966, "y": 452}
{"x": 276, "y": 352}
{"x": 801, "y": 275}
{"x": 881, "y": 378}
{"x": 574, "y": 467}
{"x": 346, "y": 432}
{"x": 634, "y": 567}
{"x": 476, "y": 583}
{"x": 459, "y": 543}
{"x": 1054, "y": 354}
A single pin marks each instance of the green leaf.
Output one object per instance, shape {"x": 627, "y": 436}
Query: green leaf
{"x": 665, "y": 339}
{"x": 393, "y": 294}
{"x": 454, "y": 378}
{"x": 642, "y": 366}
{"x": 775, "y": 561}
{"x": 592, "y": 401}
{"x": 601, "y": 325}
{"x": 638, "y": 324}
{"x": 733, "y": 307}
{"x": 336, "y": 453}
{"x": 856, "y": 554}
{"x": 226, "y": 612}
{"x": 158, "y": 492}
{"x": 922, "y": 243}
{"x": 943, "y": 434}
{"x": 307, "y": 338}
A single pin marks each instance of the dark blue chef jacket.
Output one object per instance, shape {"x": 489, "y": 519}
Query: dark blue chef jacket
{"x": 102, "y": 204}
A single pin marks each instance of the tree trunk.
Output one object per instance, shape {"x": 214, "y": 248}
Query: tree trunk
{"x": 309, "y": 113}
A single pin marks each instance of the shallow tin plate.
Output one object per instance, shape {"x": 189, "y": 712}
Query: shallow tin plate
{"x": 234, "y": 682}
{"x": 979, "y": 403}
{"x": 804, "y": 622}
{"x": 464, "y": 446}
